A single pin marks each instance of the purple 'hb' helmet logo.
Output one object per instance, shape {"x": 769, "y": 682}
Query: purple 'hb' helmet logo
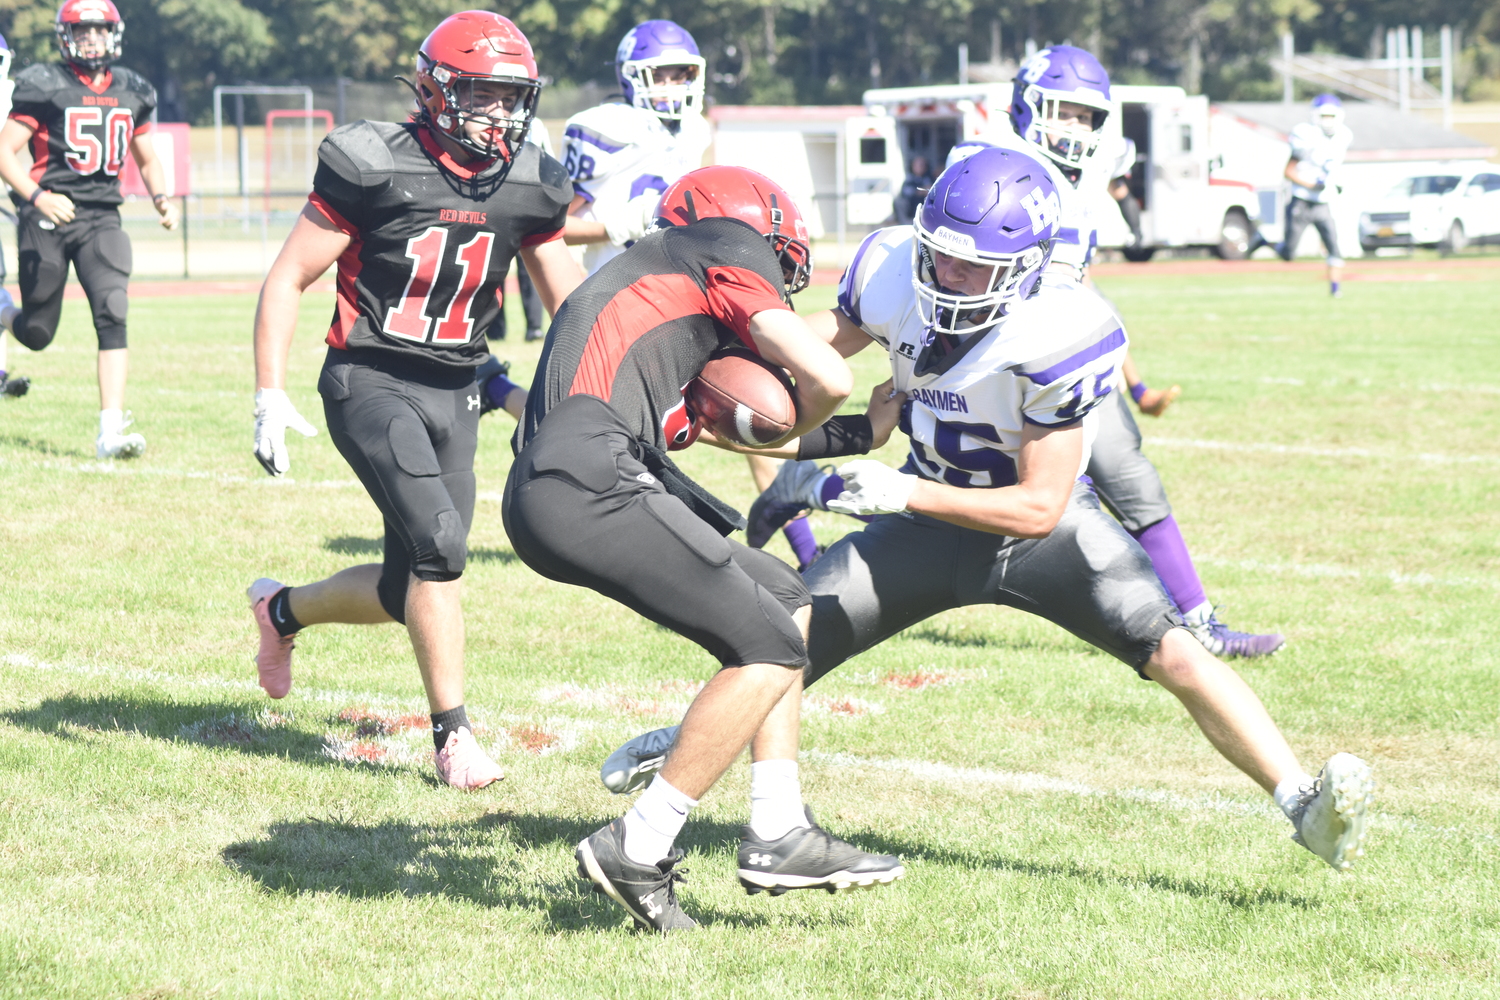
{"x": 1062, "y": 73}
{"x": 996, "y": 211}
{"x": 652, "y": 45}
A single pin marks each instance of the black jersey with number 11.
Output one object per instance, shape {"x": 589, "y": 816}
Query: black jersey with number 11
{"x": 430, "y": 239}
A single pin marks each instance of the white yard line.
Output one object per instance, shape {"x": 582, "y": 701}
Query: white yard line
{"x": 1319, "y": 571}
{"x": 1319, "y": 452}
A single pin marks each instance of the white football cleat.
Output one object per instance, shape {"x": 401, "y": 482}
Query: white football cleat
{"x": 112, "y": 441}
{"x": 634, "y": 765}
{"x": 1331, "y": 820}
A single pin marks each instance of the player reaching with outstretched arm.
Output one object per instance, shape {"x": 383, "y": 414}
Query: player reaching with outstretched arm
{"x": 80, "y": 119}
{"x": 1059, "y": 103}
{"x": 594, "y": 501}
{"x": 1004, "y": 369}
{"x": 422, "y": 219}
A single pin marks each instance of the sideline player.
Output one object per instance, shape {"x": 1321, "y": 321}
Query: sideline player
{"x": 1318, "y": 150}
{"x": 11, "y": 386}
{"x": 80, "y": 118}
{"x": 1059, "y": 103}
{"x": 593, "y": 501}
{"x": 1003, "y": 369}
{"x": 422, "y": 219}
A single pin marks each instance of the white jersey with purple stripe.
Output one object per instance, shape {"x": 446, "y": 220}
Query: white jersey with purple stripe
{"x": 1049, "y": 362}
{"x": 616, "y": 153}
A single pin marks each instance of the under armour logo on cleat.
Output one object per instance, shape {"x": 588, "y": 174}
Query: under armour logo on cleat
{"x": 473, "y": 402}
{"x": 652, "y": 910}
{"x": 760, "y": 859}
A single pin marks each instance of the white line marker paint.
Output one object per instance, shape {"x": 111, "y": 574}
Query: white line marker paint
{"x": 1317, "y": 452}
{"x": 1318, "y": 571}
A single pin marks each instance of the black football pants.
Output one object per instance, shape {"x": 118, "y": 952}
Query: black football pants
{"x": 99, "y": 251}
{"x": 410, "y": 435}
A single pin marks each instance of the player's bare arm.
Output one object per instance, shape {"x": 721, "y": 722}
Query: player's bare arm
{"x": 312, "y": 247}
{"x": 55, "y": 206}
{"x": 883, "y": 412}
{"x": 1047, "y": 468}
{"x": 823, "y": 379}
{"x": 554, "y": 272}
{"x": 155, "y": 178}
{"x": 582, "y": 231}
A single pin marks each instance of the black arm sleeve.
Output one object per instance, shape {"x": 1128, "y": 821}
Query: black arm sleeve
{"x": 851, "y": 435}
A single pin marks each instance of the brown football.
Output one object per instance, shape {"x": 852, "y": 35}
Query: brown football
{"x": 744, "y": 399}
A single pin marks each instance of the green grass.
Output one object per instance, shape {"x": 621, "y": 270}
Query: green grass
{"x": 166, "y": 831}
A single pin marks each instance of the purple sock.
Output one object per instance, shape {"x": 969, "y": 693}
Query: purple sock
{"x": 498, "y": 388}
{"x": 832, "y": 487}
{"x": 1168, "y": 550}
{"x": 804, "y": 546}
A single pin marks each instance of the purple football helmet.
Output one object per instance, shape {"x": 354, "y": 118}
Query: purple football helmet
{"x": 649, "y": 46}
{"x": 966, "y": 149}
{"x": 996, "y": 212}
{"x": 1052, "y": 76}
{"x": 1327, "y": 113}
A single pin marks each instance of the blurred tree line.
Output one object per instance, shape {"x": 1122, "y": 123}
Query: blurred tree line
{"x": 791, "y": 51}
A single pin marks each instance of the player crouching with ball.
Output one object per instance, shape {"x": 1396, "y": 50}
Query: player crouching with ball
{"x": 1003, "y": 367}
{"x": 593, "y": 501}
{"x": 423, "y": 219}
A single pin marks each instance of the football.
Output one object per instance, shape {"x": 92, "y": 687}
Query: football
{"x": 743, "y": 399}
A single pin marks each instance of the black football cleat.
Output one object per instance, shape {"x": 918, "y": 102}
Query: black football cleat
{"x": 14, "y": 386}
{"x": 811, "y": 858}
{"x": 647, "y": 892}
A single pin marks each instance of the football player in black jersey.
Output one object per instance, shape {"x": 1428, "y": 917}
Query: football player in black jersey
{"x": 593, "y": 500}
{"x": 423, "y": 219}
{"x": 80, "y": 118}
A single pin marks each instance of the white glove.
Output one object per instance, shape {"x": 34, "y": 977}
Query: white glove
{"x": 274, "y": 413}
{"x": 872, "y": 488}
{"x": 629, "y": 222}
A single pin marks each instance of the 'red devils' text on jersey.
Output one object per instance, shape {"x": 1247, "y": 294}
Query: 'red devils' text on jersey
{"x": 644, "y": 325}
{"x": 430, "y": 240}
{"x": 81, "y": 133}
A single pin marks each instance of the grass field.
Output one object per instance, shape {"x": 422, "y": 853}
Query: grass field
{"x": 166, "y": 831}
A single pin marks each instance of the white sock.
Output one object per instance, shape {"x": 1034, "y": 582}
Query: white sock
{"x": 1199, "y": 615}
{"x": 775, "y": 799}
{"x": 8, "y": 316}
{"x": 111, "y": 421}
{"x": 1288, "y": 793}
{"x": 655, "y": 821}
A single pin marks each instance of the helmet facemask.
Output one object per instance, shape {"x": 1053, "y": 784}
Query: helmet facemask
{"x": 463, "y": 102}
{"x": 113, "y": 43}
{"x": 1011, "y": 278}
{"x": 666, "y": 100}
{"x": 794, "y": 254}
{"x": 1068, "y": 143}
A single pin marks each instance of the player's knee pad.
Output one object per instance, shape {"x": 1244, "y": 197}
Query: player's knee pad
{"x": 33, "y": 333}
{"x": 441, "y": 554}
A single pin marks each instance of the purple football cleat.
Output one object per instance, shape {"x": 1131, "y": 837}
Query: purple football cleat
{"x": 1221, "y": 640}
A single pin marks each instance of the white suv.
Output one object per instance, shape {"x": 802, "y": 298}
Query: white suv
{"x": 1448, "y": 210}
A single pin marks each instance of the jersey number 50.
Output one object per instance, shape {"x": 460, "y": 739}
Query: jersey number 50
{"x": 86, "y": 154}
{"x": 409, "y": 319}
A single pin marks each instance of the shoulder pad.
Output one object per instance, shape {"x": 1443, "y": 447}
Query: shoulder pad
{"x": 619, "y": 123}
{"x": 132, "y": 80}
{"x": 553, "y": 174}
{"x": 358, "y": 154}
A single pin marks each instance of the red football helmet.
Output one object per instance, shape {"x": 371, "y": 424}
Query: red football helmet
{"x": 468, "y": 48}
{"x": 101, "y": 12}
{"x": 741, "y": 193}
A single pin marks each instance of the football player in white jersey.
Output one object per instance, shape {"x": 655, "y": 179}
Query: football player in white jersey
{"x": 1060, "y": 101}
{"x": 623, "y": 156}
{"x": 1318, "y": 150}
{"x": 1004, "y": 369}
